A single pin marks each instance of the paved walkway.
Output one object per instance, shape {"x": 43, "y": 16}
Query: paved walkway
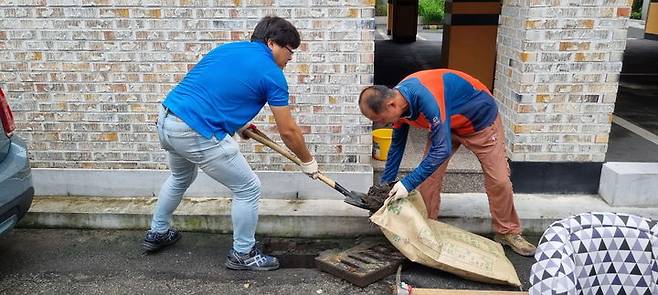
{"x": 634, "y": 136}
{"x": 637, "y": 100}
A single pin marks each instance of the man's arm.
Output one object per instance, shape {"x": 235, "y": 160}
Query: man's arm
{"x": 439, "y": 152}
{"x": 290, "y": 133}
{"x": 395, "y": 153}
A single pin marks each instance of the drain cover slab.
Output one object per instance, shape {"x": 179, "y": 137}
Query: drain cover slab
{"x": 362, "y": 264}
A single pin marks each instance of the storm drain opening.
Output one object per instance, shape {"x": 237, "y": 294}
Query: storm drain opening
{"x": 293, "y": 253}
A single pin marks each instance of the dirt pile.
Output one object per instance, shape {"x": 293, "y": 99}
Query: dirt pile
{"x": 376, "y": 196}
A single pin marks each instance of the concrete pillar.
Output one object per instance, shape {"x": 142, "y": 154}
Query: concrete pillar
{"x": 651, "y": 27}
{"x": 469, "y": 38}
{"x": 645, "y": 9}
{"x": 389, "y": 17}
{"x": 404, "y": 20}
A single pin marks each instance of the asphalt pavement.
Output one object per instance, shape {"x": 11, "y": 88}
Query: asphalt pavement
{"x": 35, "y": 261}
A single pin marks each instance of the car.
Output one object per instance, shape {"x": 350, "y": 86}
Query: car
{"x": 16, "y": 188}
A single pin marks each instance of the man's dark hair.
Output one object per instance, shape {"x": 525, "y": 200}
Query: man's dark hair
{"x": 376, "y": 96}
{"x": 279, "y": 30}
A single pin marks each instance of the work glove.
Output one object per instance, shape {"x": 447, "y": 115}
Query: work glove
{"x": 398, "y": 191}
{"x": 245, "y": 127}
{"x": 311, "y": 168}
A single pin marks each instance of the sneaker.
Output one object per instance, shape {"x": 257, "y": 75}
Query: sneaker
{"x": 254, "y": 260}
{"x": 517, "y": 243}
{"x": 155, "y": 241}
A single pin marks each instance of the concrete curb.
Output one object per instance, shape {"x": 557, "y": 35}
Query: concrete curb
{"x": 629, "y": 184}
{"x": 147, "y": 183}
{"x": 282, "y": 218}
{"x": 302, "y": 218}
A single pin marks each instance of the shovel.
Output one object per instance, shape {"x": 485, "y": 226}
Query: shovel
{"x": 351, "y": 197}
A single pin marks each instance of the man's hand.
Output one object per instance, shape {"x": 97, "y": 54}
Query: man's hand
{"x": 398, "y": 191}
{"x": 245, "y": 127}
{"x": 311, "y": 168}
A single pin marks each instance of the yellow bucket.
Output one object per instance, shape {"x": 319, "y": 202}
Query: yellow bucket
{"x": 381, "y": 142}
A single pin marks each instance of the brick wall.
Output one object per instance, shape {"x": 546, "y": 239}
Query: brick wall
{"x": 85, "y": 77}
{"x": 557, "y": 73}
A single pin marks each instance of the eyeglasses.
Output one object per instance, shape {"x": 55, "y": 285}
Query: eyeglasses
{"x": 289, "y": 50}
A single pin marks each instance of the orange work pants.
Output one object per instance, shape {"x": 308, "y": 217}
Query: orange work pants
{"x": 489, "y": 146}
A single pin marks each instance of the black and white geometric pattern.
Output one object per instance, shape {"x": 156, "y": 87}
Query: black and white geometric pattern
{"x": 597, "y": 253}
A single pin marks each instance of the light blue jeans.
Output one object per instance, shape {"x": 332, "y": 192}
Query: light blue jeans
{"x": 219, "y": 159}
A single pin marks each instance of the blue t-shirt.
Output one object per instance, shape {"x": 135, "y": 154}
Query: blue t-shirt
{"x": 227, "y": 88}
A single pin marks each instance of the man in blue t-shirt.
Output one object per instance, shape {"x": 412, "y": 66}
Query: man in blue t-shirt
{"x": 221, "y": 94}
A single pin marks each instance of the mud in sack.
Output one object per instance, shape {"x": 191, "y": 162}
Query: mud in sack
{"x": 442, "y": 246}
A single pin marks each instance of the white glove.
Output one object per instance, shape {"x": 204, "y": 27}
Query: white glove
{"x": 398, "y": 191}
{"x": 311, "y": 169}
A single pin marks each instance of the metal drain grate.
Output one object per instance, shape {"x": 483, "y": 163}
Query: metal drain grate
{"x": 361, "y": 265}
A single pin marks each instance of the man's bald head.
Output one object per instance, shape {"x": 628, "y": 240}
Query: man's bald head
{"x": 374, "y": 97}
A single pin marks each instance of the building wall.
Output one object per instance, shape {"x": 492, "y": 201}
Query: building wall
{"x": 557, "y": 74}
{"x": 85, "y": 77}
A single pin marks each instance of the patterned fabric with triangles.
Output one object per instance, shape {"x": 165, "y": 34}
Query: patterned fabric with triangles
{"x": 598, "y": 253}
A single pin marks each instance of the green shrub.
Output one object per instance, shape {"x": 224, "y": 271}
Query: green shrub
{"x": 636, "y": 15}
{"x": 636, "y": 9}
{"x": 431, "y": 11}
{"x": 381, "y": 8}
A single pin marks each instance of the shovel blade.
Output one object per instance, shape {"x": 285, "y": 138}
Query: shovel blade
{"x": 356, "y": 199}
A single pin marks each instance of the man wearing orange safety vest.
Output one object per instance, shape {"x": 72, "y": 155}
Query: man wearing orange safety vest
{"x": 457, "y": 109}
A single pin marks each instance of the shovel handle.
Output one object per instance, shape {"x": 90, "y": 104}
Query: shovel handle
{"x": 264, "y": 139}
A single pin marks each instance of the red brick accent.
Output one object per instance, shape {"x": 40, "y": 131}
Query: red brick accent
{"x": 625, "y": 11}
